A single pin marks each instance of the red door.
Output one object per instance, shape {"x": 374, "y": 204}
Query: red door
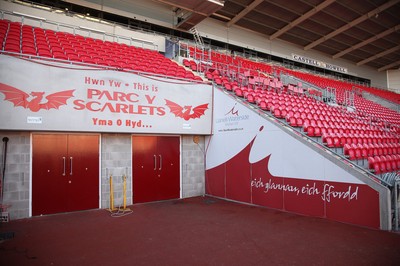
{"x": 49, "y": 190}
{"x": 83, "y": 176}
{"x": 144, "y": 167}
{"x": 65, "y": 173}
{"x": 167, "y": 174}
{"x": 155, "y": 168}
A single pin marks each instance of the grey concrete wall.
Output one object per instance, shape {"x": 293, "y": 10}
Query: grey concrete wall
{"x": 116, "y": 160}
{"x": 193, "y": 171}
{"x": 16, "y": 178}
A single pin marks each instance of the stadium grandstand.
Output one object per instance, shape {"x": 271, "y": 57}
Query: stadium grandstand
{"x": 288, "y": 105}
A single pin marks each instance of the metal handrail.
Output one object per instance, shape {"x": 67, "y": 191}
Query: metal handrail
{"x": 100, "y": 67}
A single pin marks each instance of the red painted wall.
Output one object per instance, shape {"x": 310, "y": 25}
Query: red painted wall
{"x": 240, "y": 180}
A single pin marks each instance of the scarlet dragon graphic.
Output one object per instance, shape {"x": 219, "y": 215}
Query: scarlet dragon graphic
{"x": 186, "y": 112}
{"x": 20, "y": 98}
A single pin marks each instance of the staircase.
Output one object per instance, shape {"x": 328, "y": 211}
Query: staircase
{"x": 197, "y": 37}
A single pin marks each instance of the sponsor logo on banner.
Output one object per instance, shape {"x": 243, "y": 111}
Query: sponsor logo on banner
{"x": 314, "y": 62}
{"x": 231, "y": 120}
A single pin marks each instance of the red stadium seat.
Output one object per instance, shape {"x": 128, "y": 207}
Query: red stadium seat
{"x": 239, "y": 92}
{"x": 12, "y": 47}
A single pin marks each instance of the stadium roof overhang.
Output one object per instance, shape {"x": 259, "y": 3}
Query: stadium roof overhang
{"x": 362, "y": 32}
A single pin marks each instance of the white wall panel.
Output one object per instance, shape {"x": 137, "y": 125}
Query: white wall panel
{"x": 394, "y": 80}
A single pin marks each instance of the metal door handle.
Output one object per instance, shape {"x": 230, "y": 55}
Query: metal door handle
{"x": 160, "y": 162}
{"x": 155, "y": 162}
{"x": 64, "y": 166}
{"x": 70, "y": 160}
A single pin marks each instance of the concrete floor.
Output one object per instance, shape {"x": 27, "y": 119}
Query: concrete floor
{"x": 194, "y": 231}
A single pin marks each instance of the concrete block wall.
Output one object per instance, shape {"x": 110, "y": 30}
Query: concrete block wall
{"x": 17, "y": 174}
{"x": 193, "y": 166}
{"x": 116, "y": 160}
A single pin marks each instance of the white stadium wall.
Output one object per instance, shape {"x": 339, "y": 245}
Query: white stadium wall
{"x": 394, "y": 80}
{"x": 250, "y": 159}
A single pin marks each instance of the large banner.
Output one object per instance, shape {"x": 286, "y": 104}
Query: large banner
{"x": 40, "y": 95}
{"x": 250, "y": 159}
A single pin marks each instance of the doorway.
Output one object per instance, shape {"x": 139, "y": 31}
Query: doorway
{"x": 156, "y": 169}
{"x": 65, "y": 173}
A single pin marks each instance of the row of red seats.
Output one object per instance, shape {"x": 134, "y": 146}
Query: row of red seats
{"x": 327, "y": 82}
{"x": 323, "y": 82}
{"x": 279, "y": 105}
{"x": 337, "y": 133}
{"x": 365, "y": 150}
{"x": 34, "y": 41}
{"x": 282, "y": 104}
{"x": 384, "y": 164}
{"x": 202, "y": 54}
{"x": 366, "y": 106}
{"x": 216, "y": 76}
{"x": 337, "y": 140}
{"x": 313, "y": 128}
{"x": 312, "y": 123}
{"x": 388, "y": 95}
{"x": 255, "y": 65}
{"x": 220, "y": 58}
{"x": 280, "y": 110}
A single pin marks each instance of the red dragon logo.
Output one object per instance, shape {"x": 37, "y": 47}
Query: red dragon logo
{"x": 186, "y": 112}
{"x": 20, "y": 98}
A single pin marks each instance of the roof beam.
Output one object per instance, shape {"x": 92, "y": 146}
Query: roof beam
{"x": 182, "y": 7}
{"x": 301, "y": 18}
{"x": 391, "y": 50}
{"x": 397, "y": 63}
{"x": 244, "y": 12}
{"x": 363, "y": 43}
{"x": 352, "y": 23}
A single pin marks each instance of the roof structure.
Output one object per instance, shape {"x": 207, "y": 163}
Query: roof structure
{"x": 365, "y": 32}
